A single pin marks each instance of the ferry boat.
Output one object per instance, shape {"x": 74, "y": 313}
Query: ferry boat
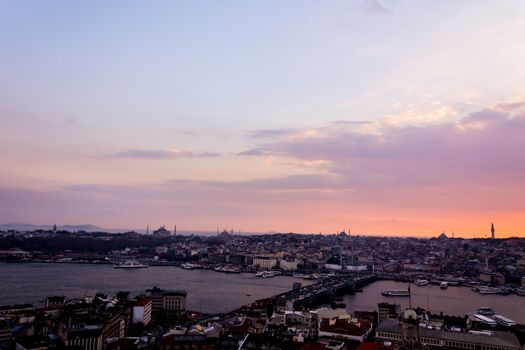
{"x": 489, "y": 290}
{"x": 396, "y": 293}
{"x": 421, "y": 282}
{"x": 190, "y": 266}
{"x": 502, "y": 320}
{"x": 267, "y": 274}
{"x": 228, "y": 269}
{"x": 485, "y": 311}
{"x": 483, "y": 319}
{"x": 443, "y": 285}
{"x": 130, "y": 265}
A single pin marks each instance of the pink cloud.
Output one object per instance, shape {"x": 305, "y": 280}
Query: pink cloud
{"x": 405, "y": 180}
{"x": 162, "y": 154}
{"x": 483, "y": 148}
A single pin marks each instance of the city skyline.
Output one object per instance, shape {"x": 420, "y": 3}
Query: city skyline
{"x": 391, "y": 117}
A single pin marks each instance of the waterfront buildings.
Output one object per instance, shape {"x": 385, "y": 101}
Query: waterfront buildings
{"x": 395, "y": 331}
{"x": 264, "y": 263}
{"x": 167, "y": 302}
{"x": 174, "y": 302}
{"x": 291, "y": 321}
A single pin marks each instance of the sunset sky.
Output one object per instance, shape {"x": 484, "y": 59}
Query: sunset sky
{"x": 389, "y": 117}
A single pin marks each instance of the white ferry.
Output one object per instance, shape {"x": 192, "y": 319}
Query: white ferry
{"x": 443, "y": 285}
{"x": 421, "y": 282}
{"x": 396, "y": 293}
{"x": 489, "y": 290}
{"x": 190, "y": 266}
{"x": 484, "y": 319}
{"x": 502, "y": 320}
{"x": 132, "y": 264}
{"x": 267, "y": 274}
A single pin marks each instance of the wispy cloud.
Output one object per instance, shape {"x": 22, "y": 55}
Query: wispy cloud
{"x": 375, "y": 7}
{"x": 254, "y": 152}
{"x": 269, "y": 133}
{"x": 184, "y": 132}
{"x": 162, "y": 154}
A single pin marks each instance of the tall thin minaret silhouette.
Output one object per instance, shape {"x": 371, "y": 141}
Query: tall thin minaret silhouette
{"x": 147, "y": 230}
{"x": 409, "y": 297}
{"x": 175, "y": 230}
{"x": 493, "y": 231}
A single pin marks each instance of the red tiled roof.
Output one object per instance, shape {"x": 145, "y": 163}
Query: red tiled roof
{"x": 142, "y": 302}
{"x": 342, "y": 326}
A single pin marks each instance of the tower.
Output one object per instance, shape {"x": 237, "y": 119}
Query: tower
{"x": 175, "y": 230}
{"x": 492, "y": 231}
{"x": 410, "y": 326}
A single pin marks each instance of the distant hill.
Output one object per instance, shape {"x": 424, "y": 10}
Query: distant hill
{"x": 30, "y": 227}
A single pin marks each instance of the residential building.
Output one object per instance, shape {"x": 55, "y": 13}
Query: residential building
{"x": 386, "y": 311}
{"x": 174, "y": 302}
{"x": 264, "y": 262}
{"x": 142, "y": 310}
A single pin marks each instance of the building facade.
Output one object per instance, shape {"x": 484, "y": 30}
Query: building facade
{"x": 142, "y": 310}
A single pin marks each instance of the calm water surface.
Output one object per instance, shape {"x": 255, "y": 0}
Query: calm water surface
{"x": 208, "y": 291}
{"x": 452, "y": 301}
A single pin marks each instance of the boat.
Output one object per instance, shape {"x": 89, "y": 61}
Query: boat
{"x": 443, "y": 285}
{"x": 520, "y": 291}
{"x": 489, "y": 290}
{"x": 313, "y": 276}
{"x": 421, "y": 282}
{"x": 267, "y": 274}
{"x": 248, "y": 294}
{"x": 396, "y": 293}
{"x": 485, "y": 311}
{"x": 132, "y": 264}
{"x": 483, "y": 319}
{"x": 504, "y": 321}
{"x": 228, "y": 269}
{"x": 190, "y": 266}
{"x": 231, "y": 269}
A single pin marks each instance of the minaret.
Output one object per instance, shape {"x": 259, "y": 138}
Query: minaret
{"x": 175, "y": 230}
{"x": 147, "y": 230}
{"x": 409, "y": 297}
{"x": 492, "y": 231}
